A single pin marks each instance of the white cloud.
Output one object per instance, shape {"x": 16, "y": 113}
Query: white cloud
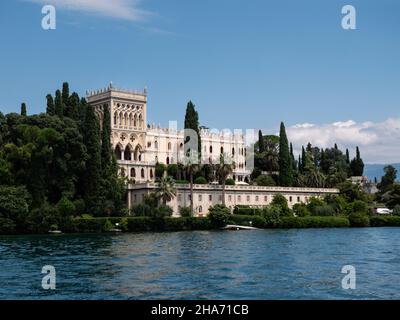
{"x": 379, "y": 142}
{"x": 119, "y": 9}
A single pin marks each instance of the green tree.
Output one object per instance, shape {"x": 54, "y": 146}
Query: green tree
{"x": 285, "y": 165}
{"x": 59, "y": 108}
{"x": 23, "y": 109}
{"x": 51, "y": 109}
{"x": 166, "y": 189}
{"x": 106, "y": 153}
{"x": 357, "y": 164}
{"x": 65, "y": 93}
{"x": 92, "y": 180}
{"x": 388, "y": 179}
{"x": 261, "y": 147}
{"x": 192, "y": 122}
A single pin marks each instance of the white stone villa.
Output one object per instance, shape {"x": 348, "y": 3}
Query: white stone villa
{"x": 139, "y": 146}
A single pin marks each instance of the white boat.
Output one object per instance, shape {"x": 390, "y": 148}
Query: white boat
{"x": 237, "y": 227}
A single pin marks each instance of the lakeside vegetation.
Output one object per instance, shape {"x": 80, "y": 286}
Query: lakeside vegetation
{"x": 58, "y": 171}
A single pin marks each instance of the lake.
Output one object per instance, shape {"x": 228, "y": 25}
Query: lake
{"x": 259, "y": 264}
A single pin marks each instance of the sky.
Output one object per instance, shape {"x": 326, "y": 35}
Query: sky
{"x": 246, "y": 64}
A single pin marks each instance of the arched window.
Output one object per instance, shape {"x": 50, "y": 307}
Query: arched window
{"x": 181, "y": 146}
{"x": 167, "y": 160}
{"x": 125, "y": 119}
{"x": 118, "y": 152}
{"x": 233, "y": 151}
{"x": 156, "y": 144}
{"x": 122, "y": 172}
{"x": 151, "y": 174}
{"x": 130, "y": 120}
{"x": 169, "y": 145}
{"x": 142, "y": 173}
{"x": 140, "y": 120}
{"x": 115, "y": 118}
{"x": 200, "y": 209}
{"x": 135, "y": 121}
{"x": 120, "y": 119}
{"x": 222, "y": 150}
{"x": 133, "y": 173}
{"x": 127, "y": 153}
{"x": 210, "y": 149}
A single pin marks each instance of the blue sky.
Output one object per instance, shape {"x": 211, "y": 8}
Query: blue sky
{"x": 245, "y": 64}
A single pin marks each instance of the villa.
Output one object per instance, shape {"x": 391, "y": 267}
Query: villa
{"x": 138, "y": 146}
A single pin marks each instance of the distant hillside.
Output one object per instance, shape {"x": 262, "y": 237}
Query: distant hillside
{"x": 376, "y": 170}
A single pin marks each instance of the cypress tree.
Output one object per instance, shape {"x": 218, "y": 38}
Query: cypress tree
{"x": 285, "y": 166}
{"x": 347, "y": 156}
{"x": 261, "y": 147}
{"x": 303, "y": 159}
{"x": 51, "y": 110}
{"x": 23, "y": 109}
{"x": 357, "y": 164}
{"x": 292, "y": 159}
{"x": 192, "y": 122}
{"x": 106, "y": 153}
{"x": 65, "y": 93}
{"x": 92, "y": 180}
{"x": 72, "y": 109}
{"x": 58, "y": 104}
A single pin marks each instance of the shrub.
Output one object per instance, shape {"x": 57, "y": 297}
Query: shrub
{"x": 264, "y": 180}
{"x": 359, "y": 206}
{"x": 135, "y": 224}
{"x": 281, "y": 201}
{"x": 230, "y": 182}
{"x": 272, "y": 215}
{"x": 200, "y": 180}
{"x": 314, "y": 203}
{"x": 301, "y": 210}
{"x": 219, "y": 215}
{"x": 162, "y": 211}
{"x": 184, "y": 211}
{"x": 141, "y": 210}
{"x": 41, "y": 219}
{"x": 66, "y": 207}
{"x": 396, "y": 210}
{"x": 246, "y": 210}
{"x": 182, "y": 182}
{"x": 7, "y": 226}
{"x": 172, "y": 170}
{"x": 358, "y": 219}
{"x": 160, "y": 169}
{"x": 323, "y": 211}
{"x": 14, "y": 203}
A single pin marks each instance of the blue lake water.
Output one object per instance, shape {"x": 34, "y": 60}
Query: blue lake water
{"x": 260, "y": 264}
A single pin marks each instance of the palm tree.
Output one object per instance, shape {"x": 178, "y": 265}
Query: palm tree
{"x": 166, "y": 189}
{"x": 224, "y": 169}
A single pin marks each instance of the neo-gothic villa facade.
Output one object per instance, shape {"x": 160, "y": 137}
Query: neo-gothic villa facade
{"x": 138, "y": 146}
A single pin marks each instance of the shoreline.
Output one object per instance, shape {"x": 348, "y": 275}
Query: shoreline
{"x": 106, "y": 225}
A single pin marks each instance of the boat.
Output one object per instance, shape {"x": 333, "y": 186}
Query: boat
{"x": 55, "y": 231}
{"x": 237, "y": 227}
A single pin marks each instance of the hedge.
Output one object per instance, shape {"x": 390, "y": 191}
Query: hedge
{"x": 312, "y": 222}
{"x": 384, "y": 221}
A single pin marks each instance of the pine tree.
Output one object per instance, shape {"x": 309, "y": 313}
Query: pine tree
{"x": 51, "y": 110}
{"x": 261, "y": 147}
{"x": 285, "y": 166}
{"x": 23, "y": 109}
{"x": 192, "y": 122}
{"x": 92, "y": 180}
{"x": 58, "y": 104}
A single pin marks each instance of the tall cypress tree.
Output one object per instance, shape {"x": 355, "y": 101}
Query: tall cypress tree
{"x": 303, "y": 159}
{"x": 261, "y": 147}
{"x": 23, "y": 109}
{"x": 58, "y": 104}
{"x": 292, "y": 159}
{"x": 357, "y": 164}
{"x": 92, "y": 180}
{"x": 106, "y": 141}
{"x": 72, "y": 109}
{"x": 285, "y": 165}
{"x": 51, "y": 110}
{"x": 347, "y": 156}
{"x": 65, "y": 93}
{"x": 192, "y": 122}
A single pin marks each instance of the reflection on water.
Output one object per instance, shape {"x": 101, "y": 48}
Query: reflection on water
{"x": 262, "y": 264}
